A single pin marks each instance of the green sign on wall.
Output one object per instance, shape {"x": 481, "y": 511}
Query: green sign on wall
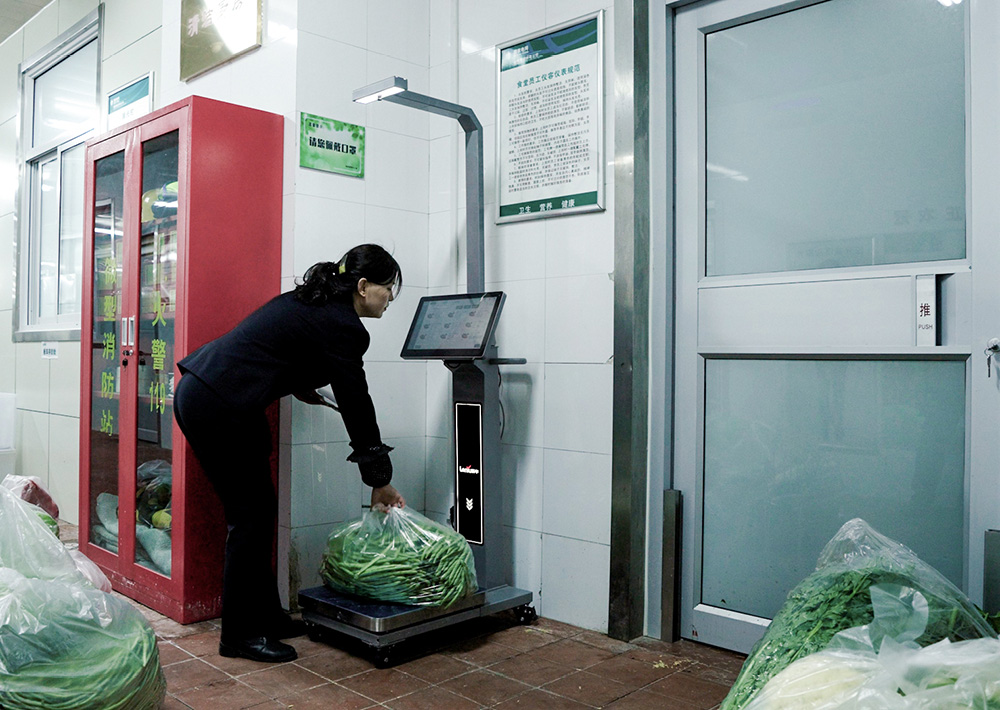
{"x": 334, "y": 146}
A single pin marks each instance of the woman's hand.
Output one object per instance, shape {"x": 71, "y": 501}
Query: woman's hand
{"x": 386, "y": 497}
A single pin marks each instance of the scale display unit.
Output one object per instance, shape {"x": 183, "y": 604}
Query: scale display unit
{"x": 459, "y": 330}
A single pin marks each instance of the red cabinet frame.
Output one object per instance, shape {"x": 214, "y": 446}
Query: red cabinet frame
{"x": 227, "y": 234}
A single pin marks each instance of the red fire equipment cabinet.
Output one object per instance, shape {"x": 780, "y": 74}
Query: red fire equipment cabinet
{"x": 182, "y": 239}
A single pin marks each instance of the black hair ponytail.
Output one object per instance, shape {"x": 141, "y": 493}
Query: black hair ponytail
{"x": 335, "y": 281}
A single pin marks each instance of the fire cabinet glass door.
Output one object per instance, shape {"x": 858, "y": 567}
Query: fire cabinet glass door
{"x": 107, "y": 341}
{"x": 155, "y": 344}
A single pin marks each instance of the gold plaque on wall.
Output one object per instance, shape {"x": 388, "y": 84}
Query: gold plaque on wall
{"x": 216, "y": 31}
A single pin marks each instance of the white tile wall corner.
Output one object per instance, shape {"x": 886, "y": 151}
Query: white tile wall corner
{"x": 7, "y": 231}
{"x": 325, "y": 487}
{"x": 521, "y": 330}
{"x": 522, "y": 469}
{"x": 315, "y": 424}
{"x": 396, "y": 168}
{"x": 477, "y": 83}
{"x": 526, "y": 554}
{"x": 307, "y": 545}
{"x": 522, "y": 393}
{"x": 408, "y": 472}
{"x": 325, "y": 229}
{"x": 340, "y": 20}
{"x": 8, "y": 380}
{"x": 514, "y": 251}
{"x": 64, "y": 466}
{"x": 443, "y": 31}
{"x": 125, "y": 22}
{"x": 557, "y": 11}
{"x": 485, "y": 25}
{"x": 579, "y": 319}
{"x": 281, "y": 18}
{"x": 439, "y": 421}
{"x": 582, "y": 244}
{"x": 326, "y": 75}
{"x": 400, "y": 29}
{"x": 41, "y": 29}
{"x": 31, "y": 440}
{"x": 404, "y": 235}
{"x": 132, "y": 62}
{"x": 439, "y": 483}
{"x": 578, "y": 411}
{"x": 387, "y": 116}
{"x": 398, "y": 391}
{"x": 31, "y": 377}
{"x": 443, "y": 84}
{"x": 64, "y": 380}
{"x": 10, "y": 56}
{"x": 270, "y": 66}
{"x": 577, "y": 495}
{"x": 570, "y": 566}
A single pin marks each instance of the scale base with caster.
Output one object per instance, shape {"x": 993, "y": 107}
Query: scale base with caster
{"x": 382, "y": 627}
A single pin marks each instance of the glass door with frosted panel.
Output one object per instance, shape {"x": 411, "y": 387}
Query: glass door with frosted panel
{"x": 155, "y": 343}
{"x": 821, "y": 208}
{"x": 106, "y": 372}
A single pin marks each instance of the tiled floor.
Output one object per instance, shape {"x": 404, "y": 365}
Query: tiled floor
{"x": 491, "y": 662}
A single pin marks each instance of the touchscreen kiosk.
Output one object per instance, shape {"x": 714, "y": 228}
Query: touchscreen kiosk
{"x": 453, "y": 327}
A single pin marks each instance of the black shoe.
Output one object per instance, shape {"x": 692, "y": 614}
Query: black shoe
{"x": 260, "y": 649}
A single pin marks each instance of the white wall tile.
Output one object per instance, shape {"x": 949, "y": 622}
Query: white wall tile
{"x": 400, "y": 28}
{"x": 439, "y": 483}
{"x": 443, "y": 31}
{"x": 477, "y": 84}
{"x": 7, "y": 354}
{"x": 396, "y": 171}
{"x": 64, "y": 466}
{"x": 444, "y": 156}
{"x": 579, "y": 319}
{"x": 32, "y": 444}
{"x": 404, "y": 235}
{"x": 341, "y": 20}
{"x": 315, "y": 424}
{"x": 389, "y": 331}
{"x": 398, "y": 391}
{"x": 577, "y": 495}
{"x": 126, "y": 21}
{"x": 521, "y": 330}
{"x": 526, "y": 554}
{"x": 485, "y": 25}
{"x": 408, "y": 472}
{"x": 523, "y": 501}
{"x": 439, "y": 415}
{"x": 446, "y": 249}
{"x": 388, "y": 116}
{"x": 288, "y": 274}
{"x": 324, "y": 91}
{"x": 6, "y": 262}
{"x": 41, "y": 29}
{"x": 522, "y": 393}
{"x": 325, "y": 487}
{"x": 443, "y": 80}
{"x": 31, "y": 377}
{"x": 578, "y": 412}
{"x": 308, "y": 543}
{"x": 325, "y": 229}
{"x": 320, "y": 183}
{"x": 135, "y": 60}
{"x": 581, "y": 244}
{"x": 568, "y": 567}
{"x": 11, "y": 51}
{"x": 64, "y": 380}
{"x": 270, "y": 66}
{"x": 514, "y": 251}
{"x": 558, "y": 11}
{"x": 281, "y": 18}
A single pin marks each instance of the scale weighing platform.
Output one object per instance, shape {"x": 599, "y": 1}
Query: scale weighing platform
{"x": 459, "y": 330}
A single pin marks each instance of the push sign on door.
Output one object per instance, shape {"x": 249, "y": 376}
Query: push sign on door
{"x": 926, "y": 288}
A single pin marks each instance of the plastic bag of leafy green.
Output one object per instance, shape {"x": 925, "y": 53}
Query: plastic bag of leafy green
{"x": 837, "y": 597}
{"x": 63, "y": 643}
{"x": 399, "y": 556}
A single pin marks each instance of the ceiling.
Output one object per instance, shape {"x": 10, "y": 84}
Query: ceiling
{"x": 14, "y": 13}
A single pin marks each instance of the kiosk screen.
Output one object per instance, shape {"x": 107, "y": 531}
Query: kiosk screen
{"x": 453, "y": 327}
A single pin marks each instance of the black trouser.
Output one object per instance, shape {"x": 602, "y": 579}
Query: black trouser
{"x": 234, "y": 449}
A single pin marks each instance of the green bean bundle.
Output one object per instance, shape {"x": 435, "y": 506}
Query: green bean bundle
{"x": 399, "y": 556}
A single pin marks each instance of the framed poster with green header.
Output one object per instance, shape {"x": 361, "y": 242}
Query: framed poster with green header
{"x": 214, "y": 32}
{"x": 333, "y": 146}
{"x": 550, "y": 122}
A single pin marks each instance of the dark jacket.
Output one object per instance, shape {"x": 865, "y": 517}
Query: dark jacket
{"x": 287, "y": 347}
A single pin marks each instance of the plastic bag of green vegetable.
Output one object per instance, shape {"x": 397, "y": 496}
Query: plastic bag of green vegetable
{"x": 837, "y": 597}
{"x": 399, "y": 556}
{"x": 63, "y": 643}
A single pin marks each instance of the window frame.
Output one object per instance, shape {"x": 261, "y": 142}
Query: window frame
{"x": 27, "y": 326}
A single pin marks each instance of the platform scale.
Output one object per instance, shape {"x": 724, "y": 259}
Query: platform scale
{"x": 459, "y": 330}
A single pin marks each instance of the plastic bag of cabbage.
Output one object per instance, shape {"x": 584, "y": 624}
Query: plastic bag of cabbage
{"x": 64, "y": 643}
{"x": 880, "y": 666}
{"x": 838, "y": 596}
{"x": 399, "y": 556}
